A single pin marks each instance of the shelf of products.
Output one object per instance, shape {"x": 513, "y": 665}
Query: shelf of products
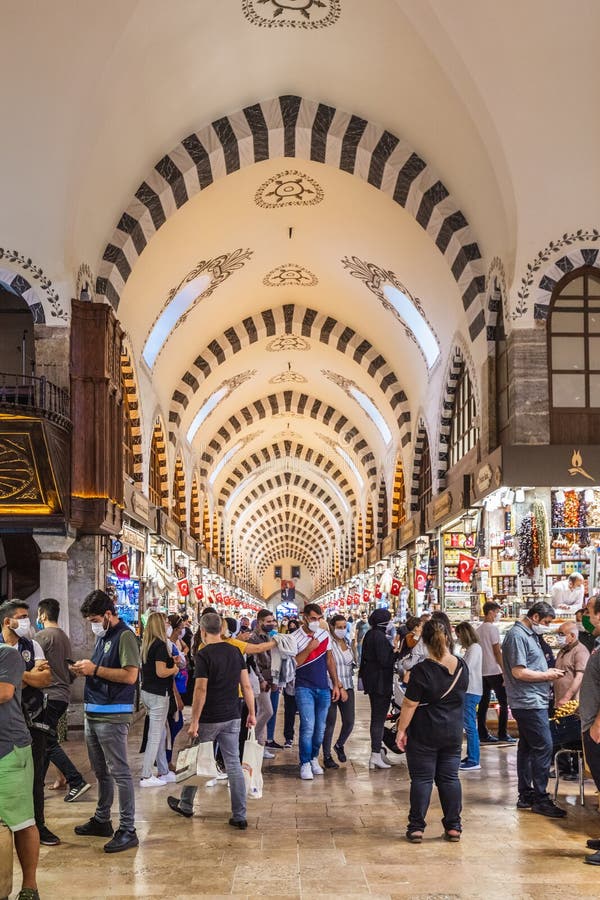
{"x": 460, "y": 602}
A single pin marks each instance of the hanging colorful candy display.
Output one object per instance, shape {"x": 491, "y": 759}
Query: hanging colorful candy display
{"x": 582, "y": 521}
{"x": 571, "y": 512}
{"x": 558, "y": 513}
{"x": 525, "y": 538}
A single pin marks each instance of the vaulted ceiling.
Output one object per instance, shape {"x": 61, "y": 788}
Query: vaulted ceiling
{"x": 292, "y": 207}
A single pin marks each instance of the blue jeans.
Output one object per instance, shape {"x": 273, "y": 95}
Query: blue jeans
{"x": 313, "y": 706}
{"x": 470, "y": 724}
{"x": 273, "y": 720}
{"x": 534, "y": 751}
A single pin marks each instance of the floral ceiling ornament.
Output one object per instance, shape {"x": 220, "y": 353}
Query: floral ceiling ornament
{"x": 290, "y": 275}
{"x": 84, "y": 283}
{"x": 288, "y": 415}
{"x": 237, "y": 380}
{"x": 289, "y": 188}
{"x": 292, "y": 13}
{"x": 287, "y": 342}
{"x": 24, "y": 262}
{"x": 376, "y": 279}
{"x": 288, "y": 378}
{"x": 567, "y": 239}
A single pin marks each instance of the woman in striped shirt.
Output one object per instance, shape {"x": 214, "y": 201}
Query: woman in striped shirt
{"x": 344, "y": 663}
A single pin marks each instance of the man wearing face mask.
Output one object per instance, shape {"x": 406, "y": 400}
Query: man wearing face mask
{"x": 16, "y": 629}
{"x": 314, "y": 661}
{"x": 265, "y": 627}
{"x": 528, "y": 678}
{"x": 110, "y": 678}
{"x": 572, "y": 659}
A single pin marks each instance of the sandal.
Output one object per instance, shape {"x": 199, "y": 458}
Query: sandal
{"x": 452, "y": 835}
{"x": 414, "y": 837}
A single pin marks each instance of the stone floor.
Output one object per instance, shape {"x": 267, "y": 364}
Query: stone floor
{"x": 341, "y": 834}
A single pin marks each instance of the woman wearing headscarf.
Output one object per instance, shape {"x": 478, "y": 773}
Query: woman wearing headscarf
{"x": 377, "y": 676}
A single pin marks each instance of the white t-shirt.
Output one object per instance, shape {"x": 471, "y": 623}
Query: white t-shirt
{"x": 562, "y": 595}
{"x": 488, "y": 635}
{"x": 37, "y": 651}
{"x": 473, "y": 656}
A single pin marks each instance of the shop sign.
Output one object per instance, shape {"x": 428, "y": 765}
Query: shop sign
{"x": 410, "y": 530}
{"x": 484, "y": 479}
{"x": 389, "y": 544}
{"x": 133, "y": 538}
{"x": 188, "y": 545}
{"x": 372, "y": 556}
{"x": 442, "y": 507}
{"x": 552, "y": 466}
{"x": 169, "y": 529}
{"x": 140, "y": 505}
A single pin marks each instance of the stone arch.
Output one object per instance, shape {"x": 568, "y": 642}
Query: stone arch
{"x": 158, "y": 440}
{"x": 308, "y": 509}
{"x": 382, "y": 510}
{"x": 457, "y": 361}
{"x": 360, "y": 540}
{"x": 280, "y": 453}
{"x": 206, "y": 529}
{"x": 290, "y": 126}
{"x": 131, "y": 392}
{"x": 302, "y": 322}
{"x": 496, "y": 300}
{"x": 421, "y": 441}
{"x": 398, "y": 496}
{"x": 369, "y": 526}
{"x": 300, "y": 404}
{"x": 195, "y": 511}
{"x": 19, "y": 285}
{"x": 278, "y": 524}
{"x": 179, "y": 507}
{"x": 554, "y": 273}
{"x": 285, "y": 484}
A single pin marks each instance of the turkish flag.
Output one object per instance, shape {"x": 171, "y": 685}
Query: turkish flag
{"x": 199, "y": 592}
{"x": 395, "y": 588}
{"x": 120, "y": 566}
{"x": 377, "y": 592}
{"x": 183, "y": 586}
{"x": 466, "y": 564}
{"x": 219, "y": 597}
{"x": 420, "y": 579}
{"x": 366, "y": 596}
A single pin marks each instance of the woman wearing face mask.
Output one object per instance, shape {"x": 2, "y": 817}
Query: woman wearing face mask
{"x": 467, "y": 637}
{"x": 377, "y": 676}
{"x": 344, "y": 663}
{"x": 173, "y": 631}
{"x": 158, "y": 668}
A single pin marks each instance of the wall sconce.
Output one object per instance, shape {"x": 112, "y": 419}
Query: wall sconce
{"x": 421, "y": 545}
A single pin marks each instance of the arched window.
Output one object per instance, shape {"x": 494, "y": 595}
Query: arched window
{"x": 425, "y": 484}
{"x": 502, "y": 395}
{"x": 574, "y": 358}
{"x": 463, "y": 430}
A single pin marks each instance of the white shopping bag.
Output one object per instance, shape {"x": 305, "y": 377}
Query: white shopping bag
{"x": 196, "y": 761}
{"x": 252, "y": 765}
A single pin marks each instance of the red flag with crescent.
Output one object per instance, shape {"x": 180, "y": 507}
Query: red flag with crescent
{"x": 199, "y": 592}
{"x": 420, "y": 579}
{"x": 183, "y": 586}
{"x": 378, "y": 592}
{"x": 120, "y": 565}
{"x": 466, "y": 564}
{"x": 395, "y": 588}
{"x": 366, "y": 596}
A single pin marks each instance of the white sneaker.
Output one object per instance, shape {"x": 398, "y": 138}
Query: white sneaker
{"x": 306, "y": 772}
{"x": 151, "y": 782}
{"x": 168, "y": 778}
{"x": 315, "y": 767}
{"x": 377, "y": 762}
{"x": 267, "y": 753}
{"x": 394, "y": 759}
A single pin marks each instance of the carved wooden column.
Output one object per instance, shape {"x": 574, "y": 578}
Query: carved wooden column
{"x": 97, "y": 414}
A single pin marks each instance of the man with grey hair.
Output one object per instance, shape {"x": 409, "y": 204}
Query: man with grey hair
{"x": 219, "y": 671}
{"x": 572, "y": 659}
{"x": 568, "y": 592}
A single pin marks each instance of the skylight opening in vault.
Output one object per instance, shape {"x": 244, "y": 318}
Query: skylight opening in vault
{"x": 415, "y": 321}
{"x": 169, "y": 317}
{"x": 373, "y": 413}
{"x": 205, "y": 410}
{"x": 346, "y": 457}
{"x": 223, "y": 462}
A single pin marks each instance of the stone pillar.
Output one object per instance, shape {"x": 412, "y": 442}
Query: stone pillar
{"x": 83, "y": 569}
{"x": 528, "y": 386}
{"x": 54, "y": 573}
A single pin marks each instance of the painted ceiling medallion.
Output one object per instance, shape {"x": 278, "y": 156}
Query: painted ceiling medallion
{"x": 288, "y": 415}
{"x": 290, "y": 275}
{"x": 287, "y": 342}
{"x": 289, "y": 188}
{"x": 292, "y": 13}
{"x": 288, "y": 378}
{"x": 288, "y": 436}
{"x": 18, "y": 480}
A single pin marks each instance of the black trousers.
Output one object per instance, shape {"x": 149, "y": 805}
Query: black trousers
{"x": 534, "y": 751}
{"x": 592, "y": 755}
{"x": 380, "y": 704}
{"x": 492, "y": 683}
{"x": 427, "y": 765}
{"x": 54, "y": 752}
{"x": 38, "y": 751}
{"x": 347, "y": 713}
{"x": 289, "y": 716}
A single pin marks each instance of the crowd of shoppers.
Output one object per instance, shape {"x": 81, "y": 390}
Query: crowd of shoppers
{"x": 438, "y": 680}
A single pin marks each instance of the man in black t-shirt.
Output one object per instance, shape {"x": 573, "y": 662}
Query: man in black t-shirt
{"x": 220, "y": 671}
